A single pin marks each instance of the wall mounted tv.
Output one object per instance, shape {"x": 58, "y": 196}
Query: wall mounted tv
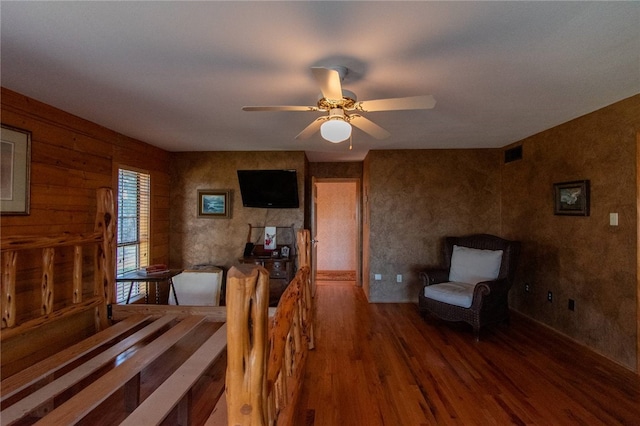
{"x": 270, "y": 189}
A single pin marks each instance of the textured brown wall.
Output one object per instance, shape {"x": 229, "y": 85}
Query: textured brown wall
{"x": 221, "y": 241}
{"x": 352, "y": 169}
{"x": 582, "y": 258}
{"x": 412, "y": 199}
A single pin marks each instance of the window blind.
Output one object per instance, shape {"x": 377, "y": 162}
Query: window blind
{"x": 133, "y": 227}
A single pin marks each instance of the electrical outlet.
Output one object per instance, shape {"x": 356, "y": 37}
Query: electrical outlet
{"x": 550, "y": 296}
{"x": 572, "y": 305}
{"x": 377, "y": 277}
{"x": 527, "y": 287}
{"x": 399, "y": 278}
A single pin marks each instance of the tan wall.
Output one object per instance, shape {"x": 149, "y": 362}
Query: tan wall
{"x": 220, "y": 241}
{"x": 582, "y": 258}
{"x": 412, "y": 199}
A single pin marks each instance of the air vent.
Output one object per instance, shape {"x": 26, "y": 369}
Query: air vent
{"x": 513, "y": 154}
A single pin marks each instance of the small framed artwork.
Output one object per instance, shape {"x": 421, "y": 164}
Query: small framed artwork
{"x": 15, "y": 164}
{"x": 571, "y": 198}
{"x": 214, "y": 203}
{"x": 270, "y": 238}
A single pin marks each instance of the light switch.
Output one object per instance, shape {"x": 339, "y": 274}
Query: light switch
{"x": 377, "y": 277}
{"x": 613, "y": 219}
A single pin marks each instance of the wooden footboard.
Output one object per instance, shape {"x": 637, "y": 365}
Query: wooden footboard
{"x": 265, "y": 367}
{"x": 155, "y": 364}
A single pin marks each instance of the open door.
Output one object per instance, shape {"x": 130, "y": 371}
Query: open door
{"x": 336, "y": 230}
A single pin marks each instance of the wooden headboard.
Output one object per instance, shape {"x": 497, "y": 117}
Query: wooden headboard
{"x": 62, "y": 278}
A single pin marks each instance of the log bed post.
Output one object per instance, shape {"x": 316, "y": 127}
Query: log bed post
{"x": 48, "y": 255}
{"x": 105, "y": 258}
{"x": 247, "y": 346}
{"x": 9, "y": 259}
{"x": 77, "y": 274}
{"x": 308, "y": 311}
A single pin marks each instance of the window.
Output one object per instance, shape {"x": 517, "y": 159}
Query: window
{"x": 133, "y": 227}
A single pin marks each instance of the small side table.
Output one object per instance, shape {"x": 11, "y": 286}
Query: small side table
{"x": 136, "y": 277}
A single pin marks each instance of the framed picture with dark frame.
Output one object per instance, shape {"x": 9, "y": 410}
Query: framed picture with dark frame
{"x": 214, "y": 203}
{"x": 571, "y": 198}
{"x": 15, "y": 158}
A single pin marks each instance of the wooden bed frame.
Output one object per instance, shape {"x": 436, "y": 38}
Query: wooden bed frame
{"x": 45, "y": 383}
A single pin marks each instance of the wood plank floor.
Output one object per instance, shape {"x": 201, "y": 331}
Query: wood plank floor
{"x": 383, "y": 364}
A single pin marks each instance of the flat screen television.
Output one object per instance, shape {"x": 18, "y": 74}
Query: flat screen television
{"x": 270, "y": 189}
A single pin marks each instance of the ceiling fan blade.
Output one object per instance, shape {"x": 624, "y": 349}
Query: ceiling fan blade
{"x": 311, "y": 128}
{"x": 391, "y": 104}
{"x": 280, "y": 108}
{"x": 329, "y": 81}
{"x": 368, "y": 126}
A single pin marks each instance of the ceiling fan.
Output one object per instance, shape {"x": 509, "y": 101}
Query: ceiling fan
{"x": 343, "y": 109}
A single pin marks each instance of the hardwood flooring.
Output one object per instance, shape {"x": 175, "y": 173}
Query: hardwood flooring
{"x": 383, "y": 364}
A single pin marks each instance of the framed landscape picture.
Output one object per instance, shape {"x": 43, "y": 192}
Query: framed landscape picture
{"x": 15, "y": 158}
{"x": 571, "y": 198}
{"x": 214, "y": 203}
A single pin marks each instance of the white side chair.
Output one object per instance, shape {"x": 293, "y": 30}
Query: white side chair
{"x": 197, "y": 287}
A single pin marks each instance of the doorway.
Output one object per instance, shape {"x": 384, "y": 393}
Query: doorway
{"x": 336, "y": 230}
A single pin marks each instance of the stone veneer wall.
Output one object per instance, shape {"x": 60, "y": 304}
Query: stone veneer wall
{"x": 412, "y": 199}
{"x": 582, "y": 258}
{"x": 221, "y": 242}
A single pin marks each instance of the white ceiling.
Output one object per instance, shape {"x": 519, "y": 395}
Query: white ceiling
{"x": 176, "y": 74}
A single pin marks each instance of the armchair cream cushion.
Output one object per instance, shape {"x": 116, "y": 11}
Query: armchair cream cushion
{"x": 452, "y": 293}
{"x": 469, "y": 265}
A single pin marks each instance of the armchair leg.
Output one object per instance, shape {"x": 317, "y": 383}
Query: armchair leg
{"x": 476, "y": 332}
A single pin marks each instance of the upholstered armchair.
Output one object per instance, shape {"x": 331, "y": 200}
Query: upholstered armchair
{"x": 473, "y": 284}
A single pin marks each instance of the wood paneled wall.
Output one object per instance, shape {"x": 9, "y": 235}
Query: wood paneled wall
{"x": 71, "y": 158}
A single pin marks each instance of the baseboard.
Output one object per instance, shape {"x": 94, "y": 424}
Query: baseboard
{"x": 336, "y": 275}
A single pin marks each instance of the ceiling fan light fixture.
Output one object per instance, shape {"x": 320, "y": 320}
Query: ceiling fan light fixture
{"x": 335, "y": 130}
